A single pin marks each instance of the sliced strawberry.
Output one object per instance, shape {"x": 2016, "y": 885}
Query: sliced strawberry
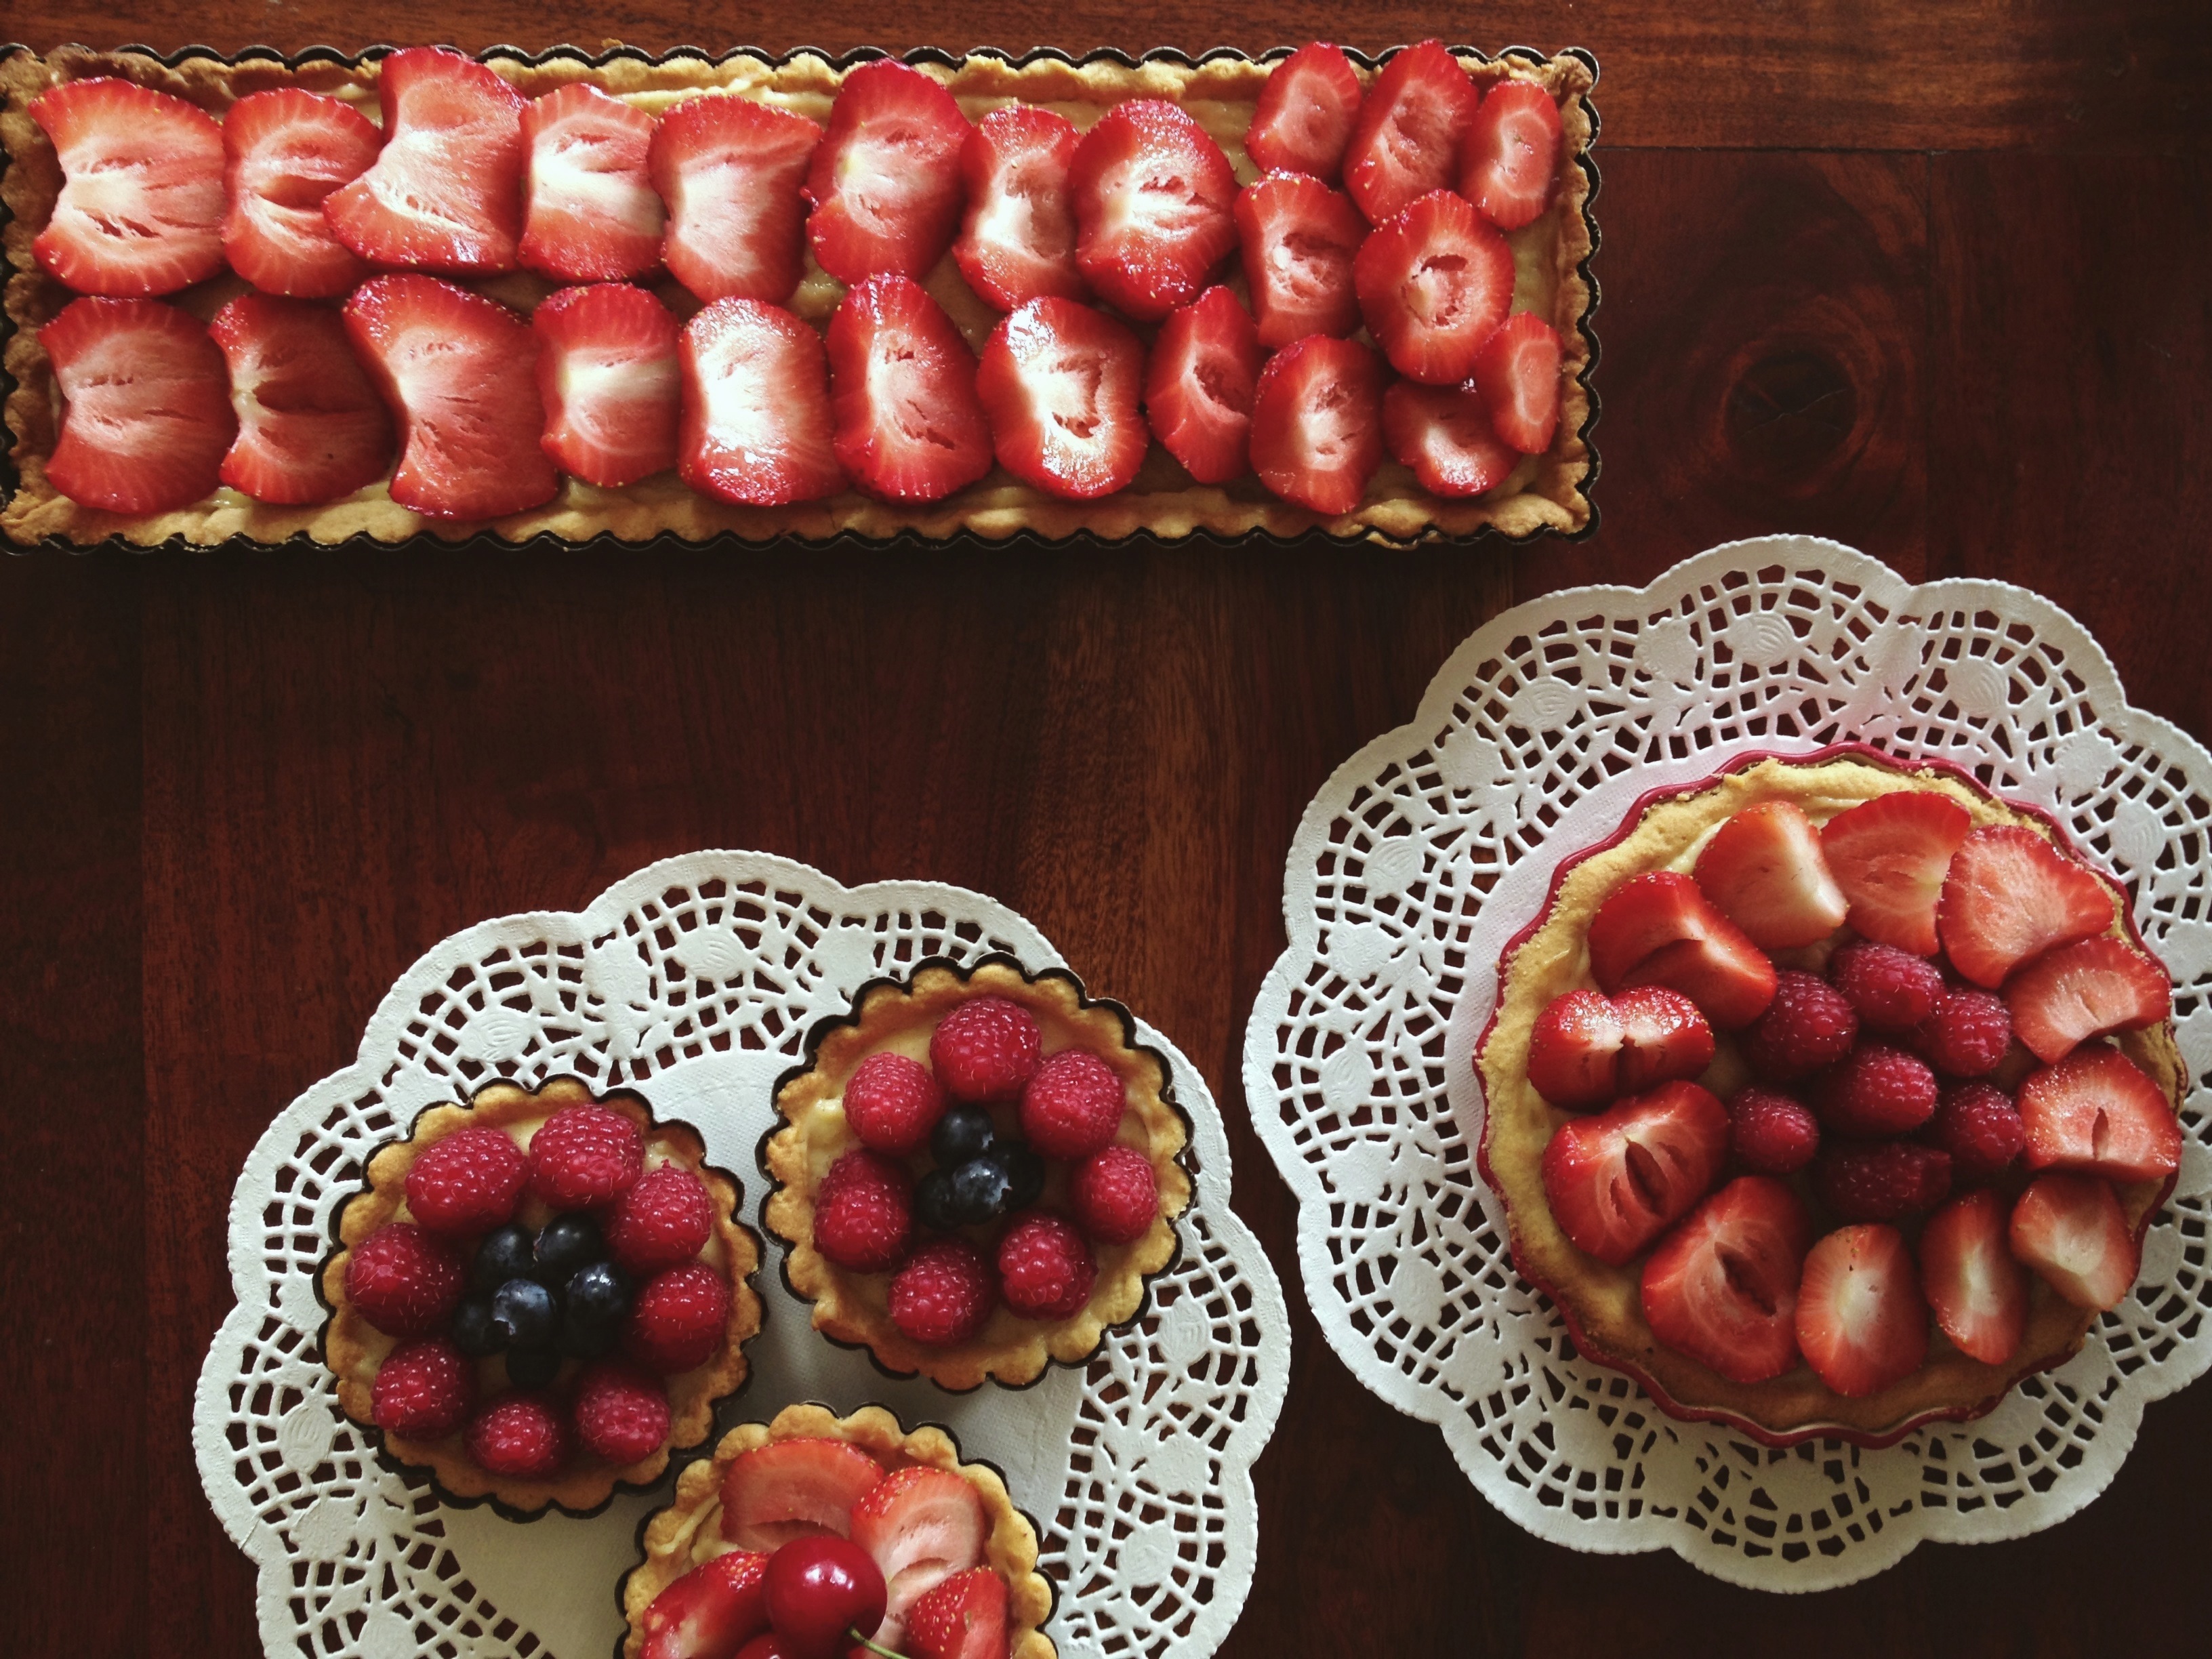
{"x": 1017, "y": 241}
{"x": 1407, "y": 140}
{"x": 963, "y": 1618}
{"x": 606, "y": 369}
{"x": 1305, "y": 114}
{"x": 2089, "y": 988}
{"x": 1298, "y": 238}
{"x": 1730, "y": 979}
{"x": 1617, "y": 1179}
{"x": 286, "y": 149}
{"x": 1434, "y": 282}
{"x": 140, "y": 211}
{"x": 1861, "y": 1321}
{"x": 310, "y": 425}
{"x": 920, "y": 1526}
{"x": 732, "y": 173}
{"x": 886, "y": 184}
{"x": 1510, "y": 163}
{"x": 1059, "y": 382}
{"x": 1641, "y": 916}
{"x": 1977, "y": 1289}
{"x": 445, "y": 193}
{"x": 909, "y": 427}
{"x": 1763, "y": 870}
{"x": 1517, "y": 372}
{"x": 2097, "y": 1111}
{"x": 1722, "y": 1286}
{"x": 2071, "y": 1230}
{"x": 1199, "y": 379}
{"x": 590, "y": 213}
{"x": 1574, "y": 1050}
{"x": 1154, "y": 207}
{"x": 710, "y": 1611}
{"x": 1659, "y": 928}
{"x": 2008, "y": 897}
{"x": 1443, "y": 432}
{"x": 799, "y": 1488}
{"x": 1316, "y": 423}
{"x": 1889, "y": 855}
{"x": 145, "y": 413}
{"x": 757, "y": 428}
{"x": 1663, "y": 1037}
{"x": 459, "y": 373}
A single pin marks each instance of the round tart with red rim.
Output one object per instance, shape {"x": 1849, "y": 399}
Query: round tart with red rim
{"x": 976, "y": 1173}
{"x": 537, "y": 1297}
{"x": 1831, "y": 1097}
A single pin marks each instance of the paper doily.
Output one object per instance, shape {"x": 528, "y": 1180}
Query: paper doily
{"x": 694, "y": 982}
{"x": 1428, "y": 850}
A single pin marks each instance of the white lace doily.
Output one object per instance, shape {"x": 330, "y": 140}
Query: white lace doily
{"x": 1434, "y": 845}
{"x": 695, "y": 981}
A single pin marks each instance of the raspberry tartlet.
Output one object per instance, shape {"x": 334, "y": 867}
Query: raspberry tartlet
{"x": 1831, "y": 1097}
{"x": 539, "y": 1296}
{"x": 976, "y": 1173}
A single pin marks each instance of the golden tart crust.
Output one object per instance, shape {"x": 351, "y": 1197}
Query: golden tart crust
{"x": 854, "y": 1308}
{"x": 1602, "y": 1304}
{"x": 689, "y": 1531}
{"x": 1546, "y": 492}
{"x": 354, "y": 1349}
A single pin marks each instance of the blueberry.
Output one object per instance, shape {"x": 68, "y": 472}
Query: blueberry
{"x": 504, "y": 1255}
{"x": 980, "y": 1189}
{"x": 570, "y": 1242}
{"x": 476, "y": 1332}
{"x": 1024, "y": 1174}
{"x": 582, "y": 1340}
{"x": 533, "y": 1367}
{"x": 599, "y": 1294}
{"x": 524, "y": 1310}
{"x": 933, "y": 1200}
{"x": 964, "y": 1132}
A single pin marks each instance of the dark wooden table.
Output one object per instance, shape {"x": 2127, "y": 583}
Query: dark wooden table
{"x": 1936, "y": 286}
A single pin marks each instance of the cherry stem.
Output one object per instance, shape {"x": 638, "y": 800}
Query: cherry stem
{"x": 854, "y": 1632}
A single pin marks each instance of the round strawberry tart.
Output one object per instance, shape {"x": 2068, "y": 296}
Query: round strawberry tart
{"x": 1831, "y": 1097}
{"x": 976, "y": 1173}
{"x": 538, "y": 1297}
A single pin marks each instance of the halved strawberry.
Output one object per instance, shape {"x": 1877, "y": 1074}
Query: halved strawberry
{"x": 1663, "y": 1037}
{"x": 459, "y": 373}
{"x": 756, "y": 427}
{"x": 920, "y": 1526}
{"x": 886, "y": 184}
{"x": 1059, "y": 382}
{"x": 1658, "y": 928}
{"x": 1763, "y": 870}
{"x": 1517, "y": 372}
{"x": 1443, "y": 432}
{"x": 1730, "y": 979}
{"x": 963, "y": 1618}
{"x": 1509, "y": 162}
{"x": 1154, "y": 199}
{"x": 710, "y": 1611}
{"x": 732, "y": 171}
{"x": 798, "y": 1488}
{"x": 1199, "y": 379}
{"x": 1305, "y": 114}
{"x": 1434, "y": 282}
{"x": 1974, "y": 1284}
{"x": 1017, "y": 241}
{"x": 606, "y": 369}
{"x": 1574, "y": 1050}
{"x": 286, "y": 149}
{"x": 1862, "y": 1320}
{"x": 1298, "y": 238}
{"x": 310, "y": 425}
{"x": 1617, "y": 1179}
{"x": 145, "y": 413}
{"x": 909, "y": 427}
{"x": 1722, "y": 1286}
{"x": 140, "y": 211}
{"x": 590, "y": 213}
{"x": 445, "y": 192}
{"x": 2071, "y": 1230}
{"x": 1407, "y": 138}
{"x": 2096, "y": 1111}
{"x": 1889, "y": 855}
{"x": 2089, "y": 988}
{"x": 2008, "y": 897}
{"x": 1316, "y": 423}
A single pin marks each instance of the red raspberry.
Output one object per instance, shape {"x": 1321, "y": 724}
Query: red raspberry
{"x": 1114, "y": 1195}
{"x": 583, "y": 1157}
{"x": 1967, "y": 1034}
{"x": 864, "y": 1212}
{"x": 1978, "y": 1125}
{"x": 622, "y": 1413}
{"x": 423, "y": 1390}
{"x": 1772, "y": 1133}
{"x": 468, "y": 1183}
{"x": 893, "y": 1103}
{"x": 1045, "y": 1268}
{"x": 404, "y": 1281}
{"x": 1881, "y": 1180}
{"x": 1893, "y": 990}
{"x": 985, "y": 1049}
{"x": 677, "y": 1321}
{"x": 1807, "y": 1026}
{"x": 662, "y": 1222}
{"x": 944, "y": 1293}
{"x": 521, "y": 1436}
{"x": 1072, "y": 1106}
{"x": 1877, "y": 1091}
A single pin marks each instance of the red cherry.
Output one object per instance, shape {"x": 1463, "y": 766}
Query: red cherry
{"x": 818, "y": 1590}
